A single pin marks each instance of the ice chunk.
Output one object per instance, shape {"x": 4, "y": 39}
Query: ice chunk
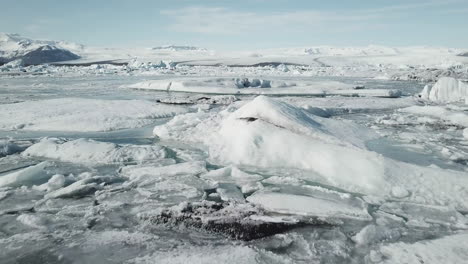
{"x": 425, "y": 92}
{"x": 81, "y": 188}
{"x": 399, "y": 192}
{"x": 57, "y": 181}
{"x": 310, "y": 206}
{"x": 242, "y": 221}
{"x": 8, "y": 147}
{"x": 449, "y": 249}
{"x": 230, "y": 193}
{"x": 422, "y": 215}
{"x": 446, "y": 115}
{"x": 83, "y": 115}
{"x": 36, "y": 174}
{"x": 259, "y": 133}
{"x": 275, "y": 135}
{"x": 231, "y": 174}
{"x": 140, "y": 172}
{"x": 446, "y": 90}
{"x": 33, "y": 221}
{"x": 210, "y": 100}
{"x": 171, "y": 183}
{"x": 94, "y": 152}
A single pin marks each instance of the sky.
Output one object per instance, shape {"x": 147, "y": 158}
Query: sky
{"x": 240, "y": 24}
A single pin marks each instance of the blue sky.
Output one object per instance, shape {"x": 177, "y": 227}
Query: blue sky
{"x": 241, "y": 24}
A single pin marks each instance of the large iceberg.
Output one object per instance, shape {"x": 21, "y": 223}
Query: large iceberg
{"x": 446, "y": 90}
{"x": 272, "y": 134}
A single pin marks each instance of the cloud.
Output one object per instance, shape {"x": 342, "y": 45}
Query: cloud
{"x": 220, "y": 20}
{"x": 39, "y": 25}
{"x": 215, "y": 20}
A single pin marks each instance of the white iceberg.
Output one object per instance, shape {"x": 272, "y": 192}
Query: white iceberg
{"x": 274, "y": 135}
{"x": 446, "y": 90}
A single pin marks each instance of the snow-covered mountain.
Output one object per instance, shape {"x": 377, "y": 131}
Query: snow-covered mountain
{"x": 29, "y": 51}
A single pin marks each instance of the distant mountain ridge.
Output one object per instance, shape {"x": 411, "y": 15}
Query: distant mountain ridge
{"x": 31, "y": 52}
{"x": 179, "y": 48}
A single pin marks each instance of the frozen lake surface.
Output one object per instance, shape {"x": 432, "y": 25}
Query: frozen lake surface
{"x": 115, "y": 169}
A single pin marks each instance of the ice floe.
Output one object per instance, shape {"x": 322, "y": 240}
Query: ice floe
{"x": 310, "y": 206}
{"x": 88, "y": 151}
{"x": 265, "y": 87}
{"x": 82, "y": 115}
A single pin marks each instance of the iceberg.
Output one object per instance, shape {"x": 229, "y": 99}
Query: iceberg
{"x": 446, "y": 90}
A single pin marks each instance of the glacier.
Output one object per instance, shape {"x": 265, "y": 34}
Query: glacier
{"x": 180, "y": 154}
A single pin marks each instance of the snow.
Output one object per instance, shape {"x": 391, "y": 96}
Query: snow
{"x": 446, "y": 90}
{"x": 88, "y": 151}
{"x": 83, "y": 115}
